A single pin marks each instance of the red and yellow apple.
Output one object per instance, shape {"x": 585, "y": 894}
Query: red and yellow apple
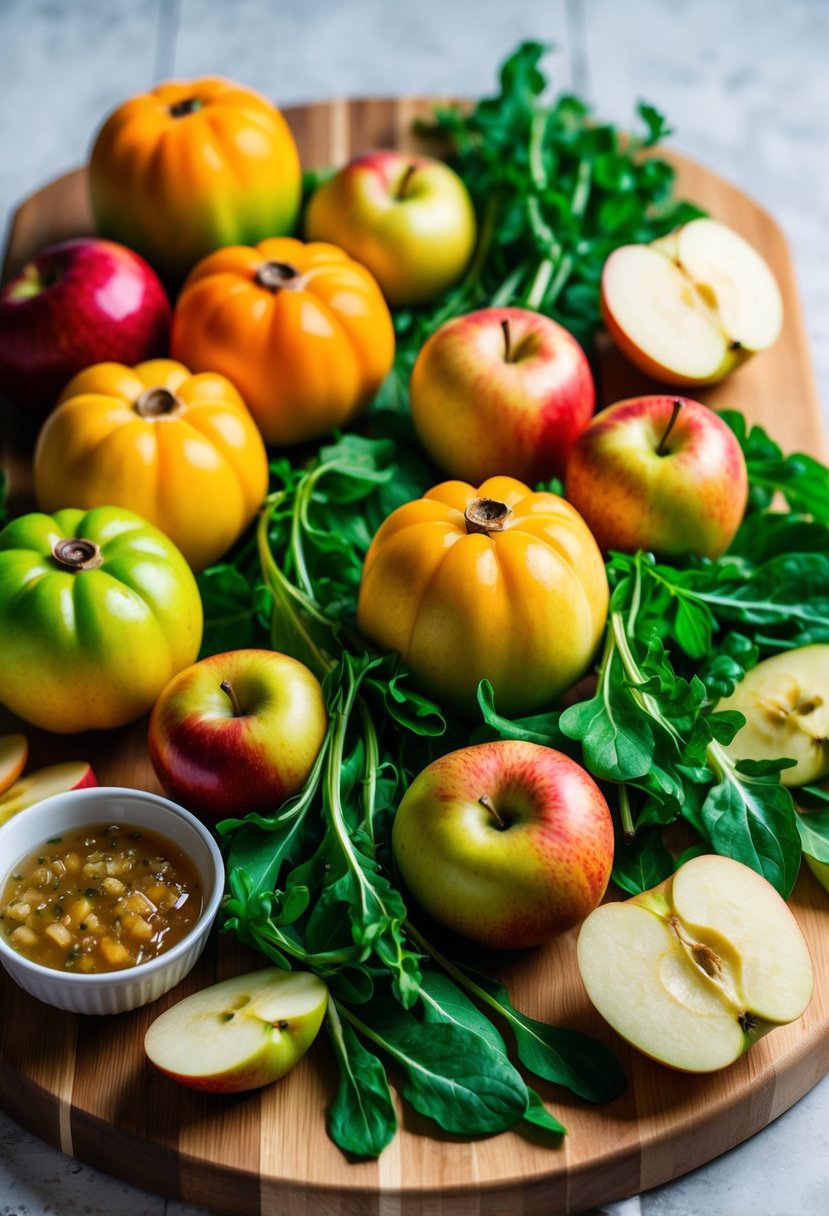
{"x": 80, "y": 302}
{"x": 43, "y": 783}
{"x": 507, "y": 843}
{"x": 696, "y": 970}
{"x": 409, "y": 219}
{"x": 691, "y": 307}
{"x": 240, "y": 1034}
{"x": 237, "y": 732}
{"x": 501, "y": 391}
{"x": 659, "y": 473}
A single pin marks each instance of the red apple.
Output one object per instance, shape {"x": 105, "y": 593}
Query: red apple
{"x": 237, "y": 732}
{"x": 43, "y": 783}
{"x": 80, "y": 302}
{"x": 14, "y": 750}
{"x": 507, "y": 843}
{"x": 659, "y": 473}
{"x": 409, "y": 219}
{"x": 501, "y": 391}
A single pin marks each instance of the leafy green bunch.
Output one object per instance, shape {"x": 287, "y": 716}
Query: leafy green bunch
{"x": 555, "y": 192}
{"x": 312, "y": 885}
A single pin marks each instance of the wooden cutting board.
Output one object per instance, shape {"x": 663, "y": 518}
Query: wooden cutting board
{"x": 83, "y": 1085}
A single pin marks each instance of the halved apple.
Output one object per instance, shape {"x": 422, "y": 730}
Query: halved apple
{"x": 785, "y": 700}
{"x": 240, "y": 1034}
{"x": 692, "y": 306}
{"x": 695, "y": 971}
{"x": 14, "y": 751}
{"x": 42, "y": 783}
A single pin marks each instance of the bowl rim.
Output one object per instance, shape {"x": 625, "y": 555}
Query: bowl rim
{"x": 139, "y": 971}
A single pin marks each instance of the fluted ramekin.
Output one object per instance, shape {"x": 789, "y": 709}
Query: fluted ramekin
{"x": 112, "y": 991}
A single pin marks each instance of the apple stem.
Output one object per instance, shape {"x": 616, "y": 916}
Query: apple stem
{"x": 488, "y": 805}
{"x": 76, "y": 554}
{"x": 507, "y": 342}
{"x": 486, "y": 515}
{"x": 230, "y": 692}
{"x": 662, "y": 450}
{"x": 405, "y": 179}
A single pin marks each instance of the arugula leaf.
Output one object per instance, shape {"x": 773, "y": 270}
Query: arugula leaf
{"x": 802, "y": 480}
{"x": 452, "y": 1075}
{"x": 813, "y": 826}
{"x": 361, "y": 1119}
{"x": 641, "y": 863}
{"x": 752, "y": 819}
{"x": 565, "y": 1057}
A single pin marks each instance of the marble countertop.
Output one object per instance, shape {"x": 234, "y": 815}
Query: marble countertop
{"x": 745, "y": 86}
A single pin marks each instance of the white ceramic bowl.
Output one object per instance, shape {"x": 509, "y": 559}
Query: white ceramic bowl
{"x": 113, "y": 991}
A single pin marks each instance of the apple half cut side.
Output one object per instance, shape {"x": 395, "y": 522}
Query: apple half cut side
{"x": 14, "y": 751}
{"x": 43, "y": 783}
{"x": 783, "y": 700}
{"x": 695, "y": 971}
{"x": 692, "y": 307}
{"x": 240, "y": 1034}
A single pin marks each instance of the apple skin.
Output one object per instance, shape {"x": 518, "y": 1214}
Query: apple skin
{"x": 81, "y": 302}
{"x": 501, "y": 391}
{"x": 218, "y": 764}
{"x": 43, "y": 783}
{"x": 506, "y": 887}
{"x": 408, "y": 219}
{"x": 691, "y": 500}
{"x": 240, "y": 1034}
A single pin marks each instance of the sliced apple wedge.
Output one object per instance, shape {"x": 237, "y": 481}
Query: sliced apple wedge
{"x": 785, "y": 701}
{"x": 240, "y": 1034}
{"x": 42, "y": 783}
{"x": 696, "y": 970}
{"x": 692, "y": 306}
{"x": 14, "y": 751}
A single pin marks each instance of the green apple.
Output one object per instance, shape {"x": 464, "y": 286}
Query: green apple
{"x": 660, "y": 473}
{"x": 507, "y": 843}
{"x": 691, "y": 307}
{"x": 240, "y": 1034}
{"x": 409, "y": 219}
{"x": 785, "y": 701}
{"x": 501, "y": 391}
{"x": 695, "y": 971}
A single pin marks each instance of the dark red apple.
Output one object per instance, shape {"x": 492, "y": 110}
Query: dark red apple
{"x": 80, "y": 302}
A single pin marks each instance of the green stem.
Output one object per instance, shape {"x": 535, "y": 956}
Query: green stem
{"x": 625, "y": 814}
{"x": 508, "y": 288}
{"x": 538, "y": 129}
{"x": 539, "y": 285}
{"x": 372, "y": 763}
{"x": 633, "y": 673}
{"x": 457, "y": 973}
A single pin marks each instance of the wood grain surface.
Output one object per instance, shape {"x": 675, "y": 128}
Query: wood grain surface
{"x": 83, "y": 1084}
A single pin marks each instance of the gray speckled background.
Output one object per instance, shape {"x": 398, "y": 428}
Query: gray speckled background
{"x": 746, "y": 86}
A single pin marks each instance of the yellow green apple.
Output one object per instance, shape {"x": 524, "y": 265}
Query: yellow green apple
{"x": 240, "y": 1034}
{"x": 507, "y": 843}
{"x": 408, "y": 218}
{"x": 696, "y": 970}
{"x": 785, "y": 701}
